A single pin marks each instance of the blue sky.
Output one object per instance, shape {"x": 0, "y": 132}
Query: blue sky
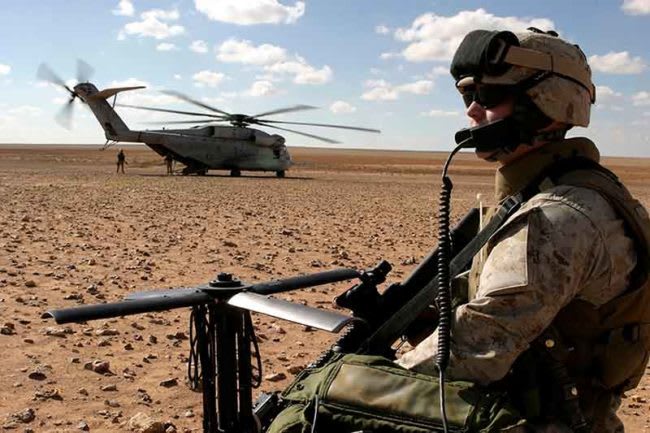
{"x": 373, "y": 63}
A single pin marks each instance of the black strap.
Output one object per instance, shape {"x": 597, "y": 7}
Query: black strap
{"x": 394, "y": 327}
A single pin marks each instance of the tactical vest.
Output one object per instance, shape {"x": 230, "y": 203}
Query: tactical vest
{"x": 605, "y": 348}
{"x": 610, "y": 342}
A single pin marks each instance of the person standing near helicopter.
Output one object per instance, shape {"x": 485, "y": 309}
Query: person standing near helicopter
{"x": 121, "y": 160}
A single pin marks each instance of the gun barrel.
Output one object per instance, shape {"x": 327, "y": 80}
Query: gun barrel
{"x": 174, "y": 299}
{"x": 304, "y": 281}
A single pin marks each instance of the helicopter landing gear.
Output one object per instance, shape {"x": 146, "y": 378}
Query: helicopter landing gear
{"x": 199, "y": 171}
{"x": 235, "y": 172}
{"x": 279, "y": 173}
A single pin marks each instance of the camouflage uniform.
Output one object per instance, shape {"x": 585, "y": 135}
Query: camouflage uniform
{"x": 564, "y": 243}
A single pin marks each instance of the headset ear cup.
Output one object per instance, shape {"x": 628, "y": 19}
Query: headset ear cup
{"x": 529, "y": 117}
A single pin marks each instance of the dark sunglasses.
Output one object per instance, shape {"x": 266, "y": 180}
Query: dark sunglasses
{"x": 486, "y": 95}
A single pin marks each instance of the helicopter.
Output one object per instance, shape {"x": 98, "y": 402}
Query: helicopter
{"x": 200, "y": 148}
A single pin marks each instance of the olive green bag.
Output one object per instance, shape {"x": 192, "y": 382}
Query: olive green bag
{"x": 371, "y": 393}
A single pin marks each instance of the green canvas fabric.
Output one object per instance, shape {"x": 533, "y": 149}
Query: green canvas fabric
{"x": 371, "y": 393}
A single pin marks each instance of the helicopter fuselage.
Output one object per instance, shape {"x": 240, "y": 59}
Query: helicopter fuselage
{"x": 216, "y": 147}
{"x": 212, "y": 147}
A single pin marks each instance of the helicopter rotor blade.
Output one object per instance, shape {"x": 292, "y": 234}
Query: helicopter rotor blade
{"x": 166, "y": 110}
{"x": 64, "y": 116}
{"x": 193, "y": 101}
{"x": 300, "y": 107}
{"x": 84, "y": 71}
{"x": 317, "y": 137}
{"x": 355, "y": 128}
{"x": 46, "y": 74}
{"x": 179, "y": 122}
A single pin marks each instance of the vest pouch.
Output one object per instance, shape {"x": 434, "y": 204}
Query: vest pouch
{"x": 624, "y": 358}
{"x": 371, "y": 393}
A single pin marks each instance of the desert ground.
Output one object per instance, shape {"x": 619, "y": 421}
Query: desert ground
{"x": 74, "y": 232}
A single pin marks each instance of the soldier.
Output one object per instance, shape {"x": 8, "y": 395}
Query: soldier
{"x": 169, "y": 160}
{"x": 570, "y": 259}
{"x": 121, "y": 160}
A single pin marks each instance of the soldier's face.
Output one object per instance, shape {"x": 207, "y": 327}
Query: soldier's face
{"x": 479, "y": 115}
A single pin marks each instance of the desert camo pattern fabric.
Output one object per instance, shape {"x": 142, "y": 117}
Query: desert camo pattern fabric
{"x": 564, "y": 243}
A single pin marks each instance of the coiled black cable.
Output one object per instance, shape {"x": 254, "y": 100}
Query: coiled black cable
{"x": 443, "y": 300}
{"x": 193, "y": 363}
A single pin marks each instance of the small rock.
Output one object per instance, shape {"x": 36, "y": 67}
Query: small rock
{"x": 57, "y": 332}
{"x": 112, "y": 403}
{"x": 50, "y": 394}
{"x": 295, "y": 369}
{"x": 83, "y": 425}
{"x": 106, "y": 332}
{"x": 6, "y": 330}
{"x": 98, "y": 366}
{"x": 111, "y": 387}
{"x": 143, "y": 423}
{"x": 30, "y": 283}
{"x": 189, "y": 414}
{"x": 168, "y": 383}
{"x": 275, "y": 377}
{"x": 24, "y": 416}
{"x": 83, "y": 391}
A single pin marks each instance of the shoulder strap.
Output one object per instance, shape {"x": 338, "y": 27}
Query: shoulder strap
{"x": 395, "y": 325}
{"x": 586, "y": 173}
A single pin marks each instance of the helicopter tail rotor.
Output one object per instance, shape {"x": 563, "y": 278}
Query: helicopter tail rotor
{"x": 84, "y": 72}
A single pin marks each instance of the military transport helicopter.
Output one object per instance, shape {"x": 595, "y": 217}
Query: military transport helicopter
{"x": 200, "y": 148}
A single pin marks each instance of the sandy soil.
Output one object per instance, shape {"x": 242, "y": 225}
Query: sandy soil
{"x": 73, "y": 232}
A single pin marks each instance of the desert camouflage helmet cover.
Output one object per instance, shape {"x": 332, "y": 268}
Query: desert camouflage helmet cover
{"x": 567, "y": 94}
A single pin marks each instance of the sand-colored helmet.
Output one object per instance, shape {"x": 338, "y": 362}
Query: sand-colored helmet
{"x": 565, "y": 91}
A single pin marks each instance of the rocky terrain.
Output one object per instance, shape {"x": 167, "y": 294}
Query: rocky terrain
{"x": 73, "y": 232}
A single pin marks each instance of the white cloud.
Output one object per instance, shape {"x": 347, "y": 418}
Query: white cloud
{"x": 250, "y": 12}
{"x": 381, "y": 90}
{"x": 166, "y": 46}
{"x": 389, "y": 55}
{"x": 303, "y": 72}
{"x": 152, "y": 25}
{"x": 641, "y": 99}
{"x": 340, "y": 107}
{"x": 208, "y": 78}
{"x": 617, "y": 63}
{"x": 4, "y": 69}
{"x": 435, "y": 37}
{"x": 124, "y": 8}
{"x": 636, "y": 7}
{"x": 382, "y": 29}
{"x": 199, "y": 46}
{"x": 439, "y": 70}
{"x": 439, "y": 113}
{"x": 606, "y": 95}
{"x": 262, "y": 88}
{"x": 274, "y": 60}
{"x": 178, "y": 77}
{"x": 421, "y": 87}
{"x": 240, "y": 51}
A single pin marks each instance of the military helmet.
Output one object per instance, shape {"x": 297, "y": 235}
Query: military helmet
{"x": 553, "y": 73}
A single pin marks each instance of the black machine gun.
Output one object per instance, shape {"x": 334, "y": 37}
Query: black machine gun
{"x": 223, "y": 338}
